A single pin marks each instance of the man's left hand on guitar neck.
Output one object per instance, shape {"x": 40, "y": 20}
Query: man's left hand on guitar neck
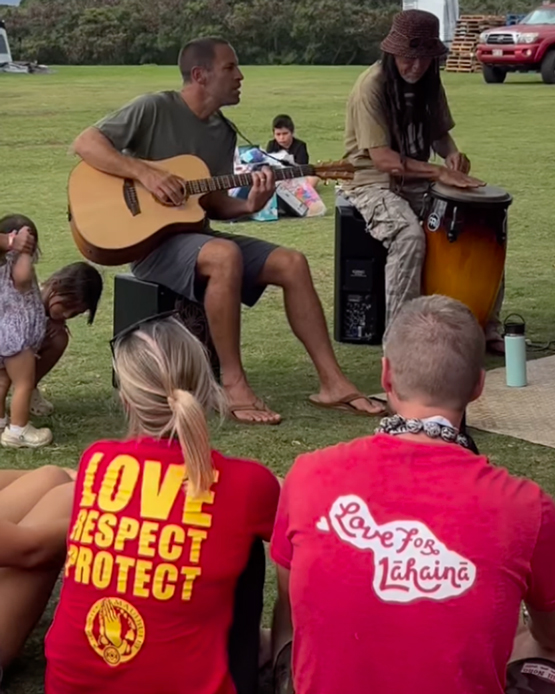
{"x": 222, "y": 206}
{"x": 263, "y": 187}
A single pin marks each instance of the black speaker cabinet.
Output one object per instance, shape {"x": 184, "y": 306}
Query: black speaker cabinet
{"x": 135, "y": 300}
{"x": 359, "y": 301}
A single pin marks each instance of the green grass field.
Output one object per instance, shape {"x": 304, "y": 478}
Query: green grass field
{"x": 506, "y": 130}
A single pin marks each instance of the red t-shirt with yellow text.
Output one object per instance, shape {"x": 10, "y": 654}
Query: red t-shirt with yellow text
{"x": 147, "y": 599}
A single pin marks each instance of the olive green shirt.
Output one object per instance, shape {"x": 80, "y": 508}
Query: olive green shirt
{"x": 161, "y": 125}
{"x": 367, "y": 128}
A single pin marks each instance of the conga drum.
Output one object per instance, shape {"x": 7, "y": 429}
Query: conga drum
{"x": 466, "y": 244}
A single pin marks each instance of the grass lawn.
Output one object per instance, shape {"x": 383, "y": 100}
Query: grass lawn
{"x": 504, "y": 129}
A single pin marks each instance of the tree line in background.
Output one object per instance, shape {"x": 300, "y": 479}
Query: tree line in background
{"x": 325, "y": 32}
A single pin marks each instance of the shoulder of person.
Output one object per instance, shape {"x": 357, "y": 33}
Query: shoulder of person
{"x": 97, "y": 452}
{"x": 369, "y": 82}
{"x": 298, "y": 142}
{"x": 524, "y": 495}
{"x": 9, "y": 258}
{"x": 152, "y": 100}
{"x": 330, "y": 459}
{"x": 252, "y": 469}
{"x": 104, "y": 447}
{"x": 230, "y": 125}
{"x": 145, "y": 105}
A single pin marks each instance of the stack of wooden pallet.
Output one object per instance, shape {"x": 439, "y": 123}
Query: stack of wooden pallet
{"x": 462, "y": 56}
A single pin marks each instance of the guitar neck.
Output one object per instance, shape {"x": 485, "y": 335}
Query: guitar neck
{"x": 210, "y": 185}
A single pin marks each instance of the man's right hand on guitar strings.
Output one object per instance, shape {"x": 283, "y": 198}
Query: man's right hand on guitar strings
{"x": 169, "y": 189}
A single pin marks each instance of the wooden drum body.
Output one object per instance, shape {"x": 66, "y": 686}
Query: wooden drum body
{"x": 466, "y": 244}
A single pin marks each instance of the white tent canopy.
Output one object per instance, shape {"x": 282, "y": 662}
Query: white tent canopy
{"x": 6, "y": 63}
{"x": 447, "y": 11}
{"x": 5, "y": 54}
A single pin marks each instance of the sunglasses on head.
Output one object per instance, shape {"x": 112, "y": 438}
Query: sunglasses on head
{"x": 139, "y": 324}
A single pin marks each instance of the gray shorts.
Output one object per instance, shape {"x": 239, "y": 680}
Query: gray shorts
{"x": 173, "y": 264}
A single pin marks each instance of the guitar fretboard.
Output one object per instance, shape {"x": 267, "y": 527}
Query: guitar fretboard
{"x": 210, "y": 185}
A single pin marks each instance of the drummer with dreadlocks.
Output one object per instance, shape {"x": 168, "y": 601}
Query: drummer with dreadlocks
{"x": 397, "y": 117}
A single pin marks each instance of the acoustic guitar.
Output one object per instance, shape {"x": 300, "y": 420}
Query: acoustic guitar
{"x": 116, "y": 220}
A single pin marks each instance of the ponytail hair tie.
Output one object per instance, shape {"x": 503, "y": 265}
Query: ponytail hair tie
{"x": 172, "y": 399}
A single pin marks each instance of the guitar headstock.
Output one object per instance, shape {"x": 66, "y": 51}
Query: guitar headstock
{"x": 334, "y": 170}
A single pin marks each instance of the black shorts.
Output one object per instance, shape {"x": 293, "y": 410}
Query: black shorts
{"x": 531, "y": 676}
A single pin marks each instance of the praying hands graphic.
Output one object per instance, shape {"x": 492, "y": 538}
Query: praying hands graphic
{"x": 111, "y": 629}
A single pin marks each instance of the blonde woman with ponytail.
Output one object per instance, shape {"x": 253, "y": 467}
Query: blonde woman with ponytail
{"x": 164, "y": 576}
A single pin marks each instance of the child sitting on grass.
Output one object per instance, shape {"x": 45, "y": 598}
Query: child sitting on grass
{"x": 22, "y": 330}
{"x": 285, "y": 141}
{"x": 69, "y": 292}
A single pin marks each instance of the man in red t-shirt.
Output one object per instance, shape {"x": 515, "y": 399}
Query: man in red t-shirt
{"x": 404, "y": 557}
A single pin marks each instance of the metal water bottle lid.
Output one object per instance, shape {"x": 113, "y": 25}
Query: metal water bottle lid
{"x": 515, "y": 327}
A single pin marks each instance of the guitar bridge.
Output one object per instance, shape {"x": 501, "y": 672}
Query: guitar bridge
{"x": 130, "y": 197}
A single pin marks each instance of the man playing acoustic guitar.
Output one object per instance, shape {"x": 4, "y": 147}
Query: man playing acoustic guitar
{"x": 221, "y": 270}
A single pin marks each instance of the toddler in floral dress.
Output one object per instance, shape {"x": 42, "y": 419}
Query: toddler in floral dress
{"x": 22, "y": 330}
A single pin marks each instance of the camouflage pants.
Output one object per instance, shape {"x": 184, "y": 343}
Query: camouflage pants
{"x": 394, "y": 220}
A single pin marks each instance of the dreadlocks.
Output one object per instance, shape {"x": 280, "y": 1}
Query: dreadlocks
{"x": 402, "y": 115}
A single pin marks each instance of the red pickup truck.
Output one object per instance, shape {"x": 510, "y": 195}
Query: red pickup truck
{"x": 525, "y": 47}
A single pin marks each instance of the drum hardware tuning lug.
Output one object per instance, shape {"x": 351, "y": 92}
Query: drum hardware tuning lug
{"x": 502, "y": 233}
{"x": 455, "y": 227}
{"x": 426, "y": 205}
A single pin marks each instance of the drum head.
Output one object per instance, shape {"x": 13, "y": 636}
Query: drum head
{"x": 487, "y": 195}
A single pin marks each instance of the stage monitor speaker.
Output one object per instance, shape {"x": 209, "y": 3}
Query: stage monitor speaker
{"x": 359, "y": 291}
{"x": 135, "y": 300}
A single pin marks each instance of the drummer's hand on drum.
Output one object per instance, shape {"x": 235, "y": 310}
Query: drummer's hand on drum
{"x": 458, "y": 179}
{"x": 457, "y": 161}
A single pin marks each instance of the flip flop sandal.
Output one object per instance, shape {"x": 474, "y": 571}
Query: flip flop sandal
{"x": 344, "y": 404}
{"x": 253, "y": 407}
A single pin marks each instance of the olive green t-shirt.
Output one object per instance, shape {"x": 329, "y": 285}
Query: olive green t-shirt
{"x": 366, "y": 126}
{"x": 161, "y": 125}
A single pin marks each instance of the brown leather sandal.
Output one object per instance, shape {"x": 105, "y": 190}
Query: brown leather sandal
{"x": 344, "y": 404}
{"x": 256, "y": 406}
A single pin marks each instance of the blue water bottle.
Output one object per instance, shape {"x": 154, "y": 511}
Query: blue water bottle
{"x": 515, "y": 351}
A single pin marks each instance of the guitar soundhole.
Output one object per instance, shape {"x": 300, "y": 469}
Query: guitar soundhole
{"x": 130, "y": 197}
